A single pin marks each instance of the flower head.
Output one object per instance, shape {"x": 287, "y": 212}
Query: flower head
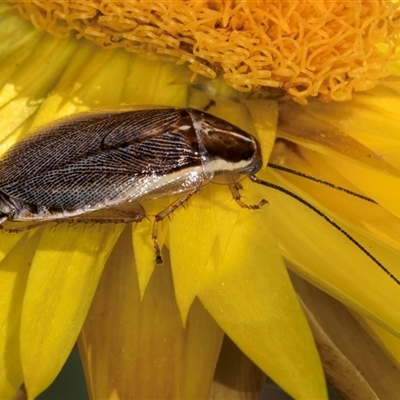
{"x": 157, "y": 331}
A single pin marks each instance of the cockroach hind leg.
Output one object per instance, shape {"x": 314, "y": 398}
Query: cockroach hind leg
{"x": 235, "y": 187}
{"x": 72, "y": 221}
{"x": 107, "y": 216}
{"x": 22, "y": 228}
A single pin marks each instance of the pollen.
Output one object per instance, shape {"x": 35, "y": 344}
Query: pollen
{"x": 325, "y": 49}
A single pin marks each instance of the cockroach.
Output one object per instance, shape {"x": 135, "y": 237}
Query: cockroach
{"x": 102, "y": 160}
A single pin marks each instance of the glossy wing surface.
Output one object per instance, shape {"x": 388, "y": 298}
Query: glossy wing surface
{"x": 94, "y": 158}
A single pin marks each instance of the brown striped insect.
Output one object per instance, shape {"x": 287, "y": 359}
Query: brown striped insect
{"x": 103, "y": 160}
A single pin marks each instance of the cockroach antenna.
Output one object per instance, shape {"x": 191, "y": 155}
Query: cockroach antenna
{"x": 326, "y": 183}
{"x": 281, "y": 189}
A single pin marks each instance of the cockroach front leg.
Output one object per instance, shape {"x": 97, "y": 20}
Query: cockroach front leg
{"x": 235, "y": 187}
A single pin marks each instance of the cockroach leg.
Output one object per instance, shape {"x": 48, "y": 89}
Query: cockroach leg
{"x": 165, "y": 213}
{"x": 21, "y": 228}
{"x": 85, "y": 219}
{"x": 235, "y": 187}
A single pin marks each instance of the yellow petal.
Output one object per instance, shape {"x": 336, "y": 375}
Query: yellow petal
{"x": 14, "y": 271}
{"x": 29, "y": 89}
{"x": 247, "y": 291}
{"x": 159, "y": 90}
{"x": 265, "y": 117}
{"x": 319, "y": 133}
{"x": 365, "y": 131}
{"x": 353, "y": 363}
{"x": 365, "y": 215}
{"x": 8, "y": 242}
{"x": 236, "y": 377}
{"x": 149, "y": 354}
{"x": 84, "y": 86}
{"x": 144, "y": 258}
{"x": 383, "y": 187}
{"x": 63, "y": 278}
{"x": 389, "y": 343}
{"x": 325, "y": 256}
{"x": 192, "y": 236}
{"x": 371, "y": 118}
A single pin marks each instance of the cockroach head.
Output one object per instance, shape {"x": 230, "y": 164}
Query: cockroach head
{"x": 225, "y": 147}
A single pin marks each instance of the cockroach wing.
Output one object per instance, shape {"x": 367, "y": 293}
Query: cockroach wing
{"x": 103, "y": 158}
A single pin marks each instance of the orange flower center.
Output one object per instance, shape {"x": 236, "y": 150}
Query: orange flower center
{"x": 324, "y": 49}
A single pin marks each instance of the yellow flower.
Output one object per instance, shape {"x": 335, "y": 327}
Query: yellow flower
{"x": 156, "y": 332}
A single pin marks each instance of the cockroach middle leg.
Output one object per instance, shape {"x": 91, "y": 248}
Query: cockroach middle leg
{"x": 165, "y": 213}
